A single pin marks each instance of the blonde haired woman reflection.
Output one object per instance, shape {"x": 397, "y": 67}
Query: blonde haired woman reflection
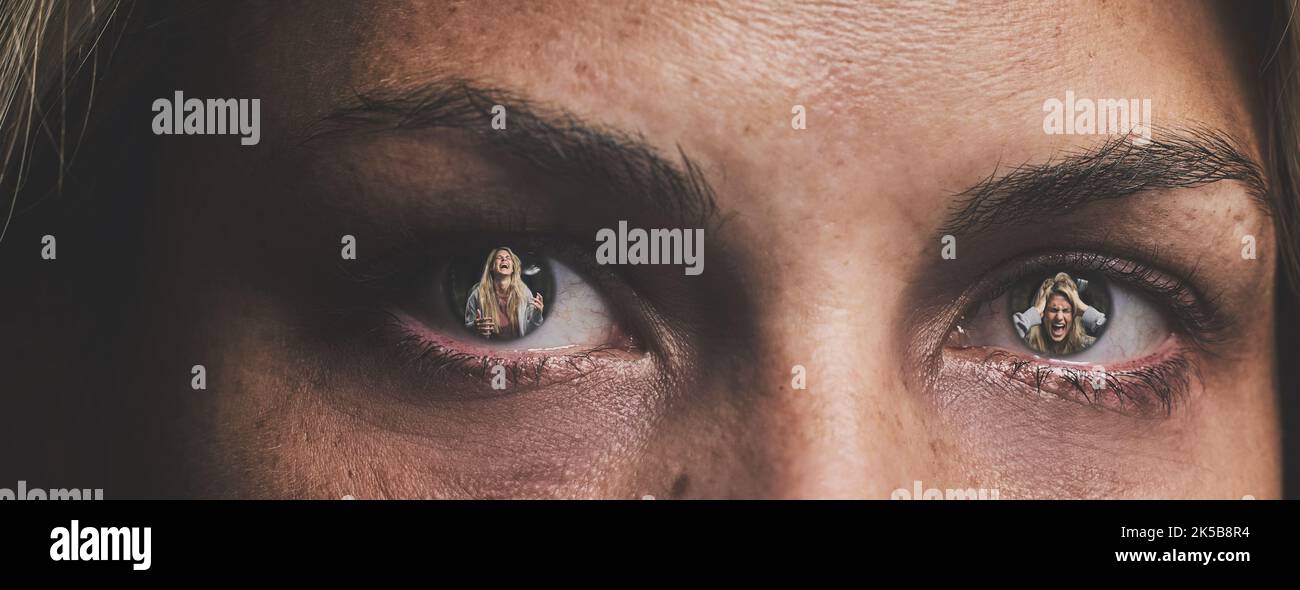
{"x": 500, "y": 304}
{"x": 1049, "y": 326}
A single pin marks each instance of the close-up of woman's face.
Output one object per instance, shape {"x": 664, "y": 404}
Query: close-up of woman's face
{"x": 1059, "y": 315}
{"x": 866, "y": 179}
{"x": 504, "y": 264}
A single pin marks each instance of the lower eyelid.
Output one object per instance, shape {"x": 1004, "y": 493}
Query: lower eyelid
{"x": 1150, "y": 387}
{"x": 467, "y": 369}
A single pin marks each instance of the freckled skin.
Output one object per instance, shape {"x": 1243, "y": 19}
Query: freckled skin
{"x": 906, "y": 105}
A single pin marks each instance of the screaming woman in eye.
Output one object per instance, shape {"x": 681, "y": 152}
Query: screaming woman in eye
{"x": 1050, "y": 325}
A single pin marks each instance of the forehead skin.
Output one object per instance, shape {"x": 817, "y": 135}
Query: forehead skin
{"x": 948, "y": 90}
{"x": 906, "y": 104}
{"x": 707, "y": 74}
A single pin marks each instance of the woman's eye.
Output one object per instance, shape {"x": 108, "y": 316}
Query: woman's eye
{"x": 493, "y": 319}
{"x": 1075, "y": 334}
{"x": 1077, "y": 317}
{"x": 507, "y": 299}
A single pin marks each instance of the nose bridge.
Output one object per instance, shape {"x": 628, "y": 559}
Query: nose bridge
{"x": 836, "y": 437}
{"x": 844, "y": 244}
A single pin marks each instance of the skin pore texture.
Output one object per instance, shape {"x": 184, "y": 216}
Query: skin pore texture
{"x": 830, "y": 237}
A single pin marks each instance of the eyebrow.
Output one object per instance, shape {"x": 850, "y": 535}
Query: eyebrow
{"x": 1174, "y": 158}
{"x": 620, "y": 164}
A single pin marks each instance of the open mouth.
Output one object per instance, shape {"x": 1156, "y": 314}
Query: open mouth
{"x": 1058, "y": 330}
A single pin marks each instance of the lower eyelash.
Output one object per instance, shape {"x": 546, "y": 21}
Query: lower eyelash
{"x": 473, "y": 373}
{"x": 1145, "y": 391}
{"x": 1151, "y": 388}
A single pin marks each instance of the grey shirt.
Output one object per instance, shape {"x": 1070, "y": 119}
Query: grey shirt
{"x": 529, "y": 317}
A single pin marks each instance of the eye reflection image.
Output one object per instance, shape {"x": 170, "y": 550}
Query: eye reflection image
{"x": 501, "y": 306}
{"x": 1058, "y": 320}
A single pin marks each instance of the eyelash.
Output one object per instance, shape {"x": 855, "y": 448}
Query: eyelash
{"x": 434, "y": 361}
{"x": 1160, "y": 384}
